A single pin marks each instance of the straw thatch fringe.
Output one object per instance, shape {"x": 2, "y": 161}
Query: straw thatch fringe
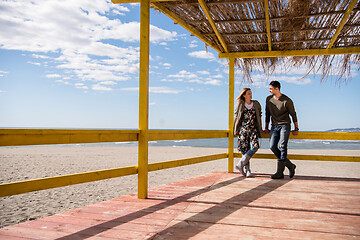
{"x": 294, "y": 25}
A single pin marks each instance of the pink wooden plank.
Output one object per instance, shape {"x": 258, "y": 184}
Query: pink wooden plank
{"x": 214, "y": 206}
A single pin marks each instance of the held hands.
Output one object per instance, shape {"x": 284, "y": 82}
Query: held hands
{"x": 266, "y": 131}
{"x": 295, "y": 132}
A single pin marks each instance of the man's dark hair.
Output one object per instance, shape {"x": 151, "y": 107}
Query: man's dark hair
{"x": 275, "y": 84}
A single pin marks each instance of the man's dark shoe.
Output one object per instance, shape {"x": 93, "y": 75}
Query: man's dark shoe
{"x": 291, "y": 167}
{"x": 292, "y": 171}
{"x": 280, "y": 170}
{"x": 277, "y": 176}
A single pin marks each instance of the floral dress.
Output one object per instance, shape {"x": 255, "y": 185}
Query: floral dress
{"x": 248, "y": 135}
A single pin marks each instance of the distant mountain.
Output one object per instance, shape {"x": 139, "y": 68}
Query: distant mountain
{"x": 344, "y": 130}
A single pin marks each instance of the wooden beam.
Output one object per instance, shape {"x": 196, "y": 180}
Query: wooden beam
{"x": 186, "y": 161}
{"x": 240, "y": 34}
{"x": 212, "y": 23}
{"x": 342, "y": 23}
{"x": 231, "y": 115}
{"x": 21, "y": 137}
{"x": 274, "y": 18}
{"x": 160, "y": 135}
{"x": 267, "y": 17}
{"x": 179, "y": 21}
{"x": 290, "y": 42}
{"x": 137, "y": 1}
{"x": 8, "y": 189}
{"x": 292, "y": 53}
{"x": 307, "y": 157}
{"x": 144, "y": 99}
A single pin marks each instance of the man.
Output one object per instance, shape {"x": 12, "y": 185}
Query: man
{"x": 279, "y": 107}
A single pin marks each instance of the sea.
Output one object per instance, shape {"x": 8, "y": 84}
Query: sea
{"x": 223, "y": 143}
{"x": 264, "y": 143}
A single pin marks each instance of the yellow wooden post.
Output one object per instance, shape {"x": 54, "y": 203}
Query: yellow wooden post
{"x": 231, "y": 115}
{"x": 143, "y": 100}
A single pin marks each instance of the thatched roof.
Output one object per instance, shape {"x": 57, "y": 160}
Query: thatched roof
{"x": 231, "y": 26}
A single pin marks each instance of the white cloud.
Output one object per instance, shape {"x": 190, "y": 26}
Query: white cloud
{"x": 203, "y": 72}
{"x": 34, "y": 63}
{"x": 183, "y": 74}
{"x": 167, "y": 65}
{"x": 163, "y": 90}
{"x": 213, "y": 82}
{"x": 2, "y": 73}
{"x": 53, "y": 75}
{"x": 78, "y": 33}
{"x": 203, "y": 55}
{"x": 194, "y": 78}
{"x": 40, "y": 56}
{"x": 98, "y": 87}
{"x": 193, "y": 44}
{"x": 120, "y": 8}
{"x": 130, "y": 32}
{"x": 196, "y": 81}
{"x": 108, "y": 83}
{"x": 157, "y": 58}
{"x": 80, "y": 86}
{"x": 63, "y": 82}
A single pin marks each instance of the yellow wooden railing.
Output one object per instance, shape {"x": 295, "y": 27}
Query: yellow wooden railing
{"x": 21, "y": 137}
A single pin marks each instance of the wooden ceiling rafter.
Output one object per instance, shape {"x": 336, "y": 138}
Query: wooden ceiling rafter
{"x": 207, "y": 13}
{"x": 267, "y": 21}
{"x": 344, "y": 19}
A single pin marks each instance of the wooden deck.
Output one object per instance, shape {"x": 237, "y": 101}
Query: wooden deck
{"x": 214, "y": 206}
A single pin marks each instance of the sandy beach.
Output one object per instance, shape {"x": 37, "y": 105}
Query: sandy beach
{"x": 24, "y": 163}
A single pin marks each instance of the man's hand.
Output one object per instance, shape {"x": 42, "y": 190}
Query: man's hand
{"x": 295, "y": 132}
{"x": 266, "y": 131}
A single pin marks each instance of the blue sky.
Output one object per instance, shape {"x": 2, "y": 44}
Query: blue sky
{"x": 74, "y": 64}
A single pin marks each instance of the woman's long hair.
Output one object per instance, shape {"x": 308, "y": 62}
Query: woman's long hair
{"x": 242, "y": 93}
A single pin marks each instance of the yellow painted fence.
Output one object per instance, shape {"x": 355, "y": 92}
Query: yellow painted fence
{"x": 21, "y": 137}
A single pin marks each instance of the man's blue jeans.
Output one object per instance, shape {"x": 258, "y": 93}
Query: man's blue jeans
{"x": 279, "y": 137}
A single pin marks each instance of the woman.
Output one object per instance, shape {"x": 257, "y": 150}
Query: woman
{"x": 248, "y": 128}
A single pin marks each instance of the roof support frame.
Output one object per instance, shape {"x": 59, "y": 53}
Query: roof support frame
{"x": 143, "y": 152}
{"x": 212, "y": 23}
{"x": 177, "y": 20}
{"x": 267, "y": 17}
{"x": 137, "y": 1}
{"x": 292, "y": 53}
{"x": 279, "y": 32}
{"x": 231, "y": 115}
{"x": 346, "y": 16}
{"x": 276, "y": 18}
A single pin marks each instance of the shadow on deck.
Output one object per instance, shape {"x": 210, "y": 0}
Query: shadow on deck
{"x": 214, "y": 206}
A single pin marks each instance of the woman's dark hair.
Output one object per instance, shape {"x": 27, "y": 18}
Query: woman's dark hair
{"x": 275, "y": 84}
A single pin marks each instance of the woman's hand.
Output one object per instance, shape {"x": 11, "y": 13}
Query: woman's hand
{"x": 295, "y": 132}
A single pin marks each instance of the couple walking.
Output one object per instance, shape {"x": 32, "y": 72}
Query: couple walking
{"x": 248, "y": 128}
